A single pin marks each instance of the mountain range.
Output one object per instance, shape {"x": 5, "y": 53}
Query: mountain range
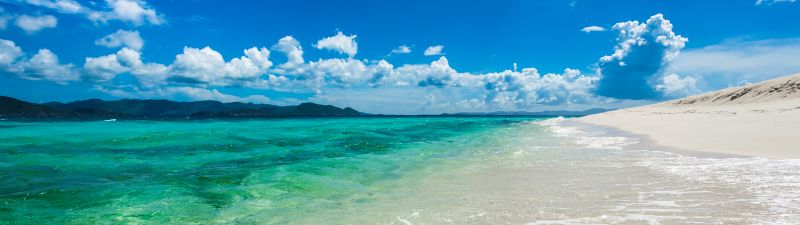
{"x": 148, "y": 108}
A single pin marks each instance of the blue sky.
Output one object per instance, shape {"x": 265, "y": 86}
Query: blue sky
{"x": 568, "y": 54}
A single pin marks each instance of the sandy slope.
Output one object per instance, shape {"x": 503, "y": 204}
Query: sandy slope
{"x": 761, "y": 119}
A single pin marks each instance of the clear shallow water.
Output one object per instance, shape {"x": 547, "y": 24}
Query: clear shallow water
{"x": 373, "y": 171}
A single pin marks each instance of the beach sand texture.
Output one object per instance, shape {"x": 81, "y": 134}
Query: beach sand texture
{"x": 761, "y": 119}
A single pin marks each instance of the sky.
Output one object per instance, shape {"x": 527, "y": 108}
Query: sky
{"x": 394, "y": 57}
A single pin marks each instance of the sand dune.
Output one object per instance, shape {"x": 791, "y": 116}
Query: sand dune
{"x": 761, "y": 119}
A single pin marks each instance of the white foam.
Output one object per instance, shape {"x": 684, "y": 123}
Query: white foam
{"x": 584, "y": 138}
{"x": 611, "y": 219}
{"x": 768, "y": 183}
{"x": 774, "y": 184}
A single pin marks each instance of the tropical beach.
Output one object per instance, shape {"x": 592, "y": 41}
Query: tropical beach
{"x": 551, "y": 112}
{"x": 759, "y": 120}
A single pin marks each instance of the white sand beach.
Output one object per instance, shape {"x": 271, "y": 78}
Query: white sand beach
{"x": 761, "y": 120}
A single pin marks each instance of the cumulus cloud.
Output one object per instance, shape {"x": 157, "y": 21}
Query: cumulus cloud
{"x": 339, "y": 71}
{"x": 136, "y": 12}
{"x": 436, "y": 88}
{"x": 255, "y": 62}
{"x": 44, "y": 65}
{"x": 9, "y": 52}
{"x": 438, "y": 74}
{"x": 510, "y": 89}
{"x": 194, "y": 66}
{"x": 291, "y": 47}
{"x": 207, "y": 66}
{"x": 103, "y": 68}
{"x": 198, "y": 65}
{"x": 641, "y": 53}
{"x": 590, "y": 29}
{"x": 345, "y": 44}
{"x": 149, "y": 74}
{"x": 33, "y": 24}
{"x": 434, "y": 50}
{"x": 673, "y": 85}
{"x": 402, "y": 49}
{"x": 129, "y": 39}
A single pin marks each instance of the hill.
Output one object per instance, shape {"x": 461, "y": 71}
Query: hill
{"x": 148, "y": 108}
{"x": 11, "y": 107}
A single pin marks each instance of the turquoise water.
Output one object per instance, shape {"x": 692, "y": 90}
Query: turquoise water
{"x": 225, "y": 171}
{"x": 374, "y": 171}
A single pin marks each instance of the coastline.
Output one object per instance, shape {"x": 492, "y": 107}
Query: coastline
{"x": 646, "y": 142}
{"x": 755, "y": 130}
{"x": 757, "y": 120}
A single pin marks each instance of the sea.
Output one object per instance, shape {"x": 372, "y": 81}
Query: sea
{"x": 381, "y": 170}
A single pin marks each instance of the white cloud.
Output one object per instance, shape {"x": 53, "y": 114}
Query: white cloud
{"x": 509, "y": 89}
{"x": 9, "y": 52}
{"x": 255, "y": 62}
{"x": 412, "y": 91}
{"x": 434, "y": 50}
{"x": 732, "y": 62}
{"x": 103, "y": 68}
{"x": 66, "y": 6}
{"x": 122, "y": 38}
{"x": 207, "y": 66}
{"x": 190, "y": 93}
{"x": 674, "y": 86}
{"x": 590, "y": 29}
{"x": 291, "y": 47}
{"x": 199, "y": 65}
{"x": 150, "y": 75}
{"x": 402, "y": 49}
{"x": 136, "y": 12}
{"x": 342, "y": 71}
{"x": 198, "y": 94}
{"x": 194, "y": 66}
{"x": 641, "y": 53}
{"x": 345, "y": 44}
{"x": 438, "y": 74}
{"x": 770, "y": 2}
{"x": 44, "y": 65}
{"x": 33, "y": 24}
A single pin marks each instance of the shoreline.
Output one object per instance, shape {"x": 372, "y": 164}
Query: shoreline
{"x": 766, "y": 129}
{"x": 758, "y": 120}
{"x": 647, "y": 143}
